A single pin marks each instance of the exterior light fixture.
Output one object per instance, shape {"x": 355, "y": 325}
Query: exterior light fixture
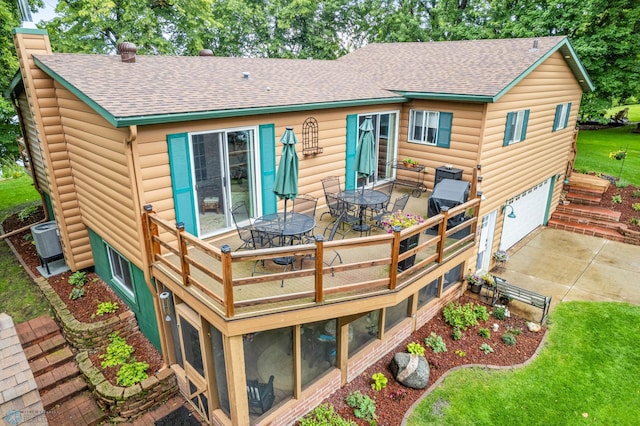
{"x": 511, "y": 215}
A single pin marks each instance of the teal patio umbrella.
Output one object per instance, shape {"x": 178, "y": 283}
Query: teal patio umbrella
{"x": 365, "y": 152}
{"x": 286, "y": 184}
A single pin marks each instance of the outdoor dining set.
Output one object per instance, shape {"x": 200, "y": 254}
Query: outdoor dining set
{"x": 358, "y": 209}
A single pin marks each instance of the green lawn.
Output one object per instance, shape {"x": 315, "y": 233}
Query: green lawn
{"x": 587, "y": 374}
{"x": 633, "y": 114}
{"x": 594, "y": 147}
{"x": 19, "y": 296}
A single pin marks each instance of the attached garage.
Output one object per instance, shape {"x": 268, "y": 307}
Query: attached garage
{"x": 529, "y": 209}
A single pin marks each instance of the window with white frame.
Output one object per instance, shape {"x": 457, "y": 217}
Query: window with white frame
{"x": 516, "y": 127}
{"x": 120, "y": 270}
{"x": 561, "y": 119}
{"x": 423, "y": 126}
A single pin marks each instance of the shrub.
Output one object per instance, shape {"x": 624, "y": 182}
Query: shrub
{"x": 634, "y": 221}
{"x": 636, "y": 194}
{"x": 636, "y": 206}
{"x": 463, "y": 316}
{"x": 509, "y": 339}
{"x": 622, "y": 183}
{"x": 27, "y": 212}
{"x": 486, "y": 348}
{"x": 132, "y": 373}
{"x": 480, "y": 312}
{"x": 616, "y": 199}
{"x": 379, "y": 381}
{"x": 363, "y": 406}
{"x": 324, "y": 415}
{"x": 500, "y": 313}
{"x": 456, "y": 334}
{"x": 105, "y": 308}
{"x": 514, "y": 331}
{"x": 484, "y": 332}
{"x": 436, "y": 343}
{"x": 461, "y": 353}
{"x": 76, "y": 293}
{"x": 78, "y": 278}
{"x": 118, "y": 351}
{"x": 397, "y": 395}
{"x": 415, "y": 348}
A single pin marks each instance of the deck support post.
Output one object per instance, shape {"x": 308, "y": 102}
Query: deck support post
{"x": 227, "y": 280}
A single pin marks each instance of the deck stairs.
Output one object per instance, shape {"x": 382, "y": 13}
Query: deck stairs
{"x": 65, "y": 395}
{"x": 582, "y": 213}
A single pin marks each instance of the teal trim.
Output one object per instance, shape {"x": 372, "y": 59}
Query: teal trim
{"x": 448, "y": 97}
{"x": 16, "y": 82}
{"x": 268, "y": 167}
{"x": 352, "y": 143}
{"x": 572, "y": 61}
{"x": 566, "y": 118}
{"x": 34, "y": 31}
{"x": 48, "y": 205}
{"x": 142, "y": 304}
{"x": 444, "y": 129}
{"x": 507, "y": 130}
{"x": 205, "y": 115}
{"x": 547, "y": 211}
{"x": 525, "y": 123}
{"x": 556, "y": 119}
{"x": 181, "y": 181}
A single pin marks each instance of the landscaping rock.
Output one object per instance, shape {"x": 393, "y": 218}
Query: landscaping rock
{"x": 411, "y": 370}
{"x": 534, "y": 327}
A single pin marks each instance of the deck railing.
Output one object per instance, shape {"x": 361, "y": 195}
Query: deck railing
{"x": 248, "y": 282}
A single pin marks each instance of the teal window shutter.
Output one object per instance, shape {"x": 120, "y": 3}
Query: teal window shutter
{"x": 444, "y": 129}
{"x": 525, "y": 121}
{"x": 556, "y": 120}
{"x": 507, "y": 130}
{"x": 180, "y": 164}
{"x": 268, "y": 167}
{"x": 566, "y": 117}
{"x": 352, "y": 142}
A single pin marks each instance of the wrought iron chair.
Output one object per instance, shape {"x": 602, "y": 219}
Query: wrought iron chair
{"x": 305, "y": 204}
{"x": 333, "y": 230}
{"x": 265, "y": 240}
{"x": 331, "y": 186}
{"x": 240, "y": 214}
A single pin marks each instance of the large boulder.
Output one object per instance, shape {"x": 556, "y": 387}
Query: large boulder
{"x": 411, "y": 370}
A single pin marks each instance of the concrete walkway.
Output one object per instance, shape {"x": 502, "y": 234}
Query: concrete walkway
{"x": 569, "y": 266}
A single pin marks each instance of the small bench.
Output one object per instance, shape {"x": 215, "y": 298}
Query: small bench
{"x": 503, "y": 289}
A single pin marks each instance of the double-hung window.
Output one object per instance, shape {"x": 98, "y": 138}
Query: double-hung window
{"x": 120, "y": 271}
{"x": 430, "y": 127}
{"x": 562, "y": 116}
{"x": 516, "y": 127}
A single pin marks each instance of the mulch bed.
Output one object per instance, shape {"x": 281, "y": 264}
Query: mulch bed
{"x": 625, "y": 208}
{"x": 96, "y": 291}
{"x": 394, "y": 400}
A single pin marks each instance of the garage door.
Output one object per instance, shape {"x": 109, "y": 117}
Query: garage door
{"x": 529, "y": 209}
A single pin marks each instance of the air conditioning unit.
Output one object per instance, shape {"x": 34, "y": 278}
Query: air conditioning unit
{"x": 45, "y": 235}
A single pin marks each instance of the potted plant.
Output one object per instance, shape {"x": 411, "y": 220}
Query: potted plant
{"x": 501, "y": 258}
{"x": 474, "y": 281}
{"x": 409, "y": 162}
{"x": 403, "y": 220}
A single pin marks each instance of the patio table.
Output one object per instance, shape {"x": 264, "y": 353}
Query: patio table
{"x": 286, "y": 228}
{"x": 363, "y": 198}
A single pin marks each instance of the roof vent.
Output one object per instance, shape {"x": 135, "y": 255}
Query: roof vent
{"x": 127, "y": 51}
{"x": 246, "y": 75}
{"x": 535, "y": 46}
{"x": 205, "y": 52}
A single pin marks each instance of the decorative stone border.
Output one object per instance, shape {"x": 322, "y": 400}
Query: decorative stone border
{"x": 126, "y": 403}
{"x": 83, "y": 335}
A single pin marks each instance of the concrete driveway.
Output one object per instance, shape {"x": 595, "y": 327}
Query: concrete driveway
{"x": 569, "y": 266}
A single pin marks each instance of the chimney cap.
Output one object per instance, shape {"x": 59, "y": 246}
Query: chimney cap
{"x": 246, "y": 75}
{"x": 205, "y": 52}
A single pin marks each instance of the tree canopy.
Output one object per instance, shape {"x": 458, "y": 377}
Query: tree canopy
{"x": 604, "y": 33}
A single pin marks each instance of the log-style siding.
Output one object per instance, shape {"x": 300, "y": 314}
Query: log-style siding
{"x": 38, "y": 161}
{"x": 510, "y": 170}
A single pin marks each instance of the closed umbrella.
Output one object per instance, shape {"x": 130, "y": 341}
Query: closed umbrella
{"x": 286, "y": 184}
{"x": 365, "y": 152}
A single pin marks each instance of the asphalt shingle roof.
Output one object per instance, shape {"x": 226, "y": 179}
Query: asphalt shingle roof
{"x": 172, "y": 85}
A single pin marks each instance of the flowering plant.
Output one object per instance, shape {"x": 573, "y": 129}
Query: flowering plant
{"x": 473, "y": 279}
{"x": 401, "y": 219}
{"x": 501, "y": 256}
{"x": 618, "y": 155}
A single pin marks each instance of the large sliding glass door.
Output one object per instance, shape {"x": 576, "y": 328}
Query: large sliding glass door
{"x": 385, "y": 136}
{"x": 224, "y": 170}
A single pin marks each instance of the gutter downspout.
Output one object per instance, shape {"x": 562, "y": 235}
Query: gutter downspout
{"x": 128, "y": 145}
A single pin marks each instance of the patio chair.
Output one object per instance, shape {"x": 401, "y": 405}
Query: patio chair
{"x": 240, "y": 213}
{"x": 387, "y": 189}
{"x": 331, "y": 187}
{"x": 333, "y": 230}
{"x": 264, "y": 240}
{"x": 260, "y": 395}
{"x": 398, "y": 205}
{"x": 305, "y": 204}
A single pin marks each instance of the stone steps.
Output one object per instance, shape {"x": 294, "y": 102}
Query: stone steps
{"x": 586, "y": 229}
{"x": 65, "y": 394}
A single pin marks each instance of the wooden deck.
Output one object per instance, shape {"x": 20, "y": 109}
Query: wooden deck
{"x": 223, "y": 281}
